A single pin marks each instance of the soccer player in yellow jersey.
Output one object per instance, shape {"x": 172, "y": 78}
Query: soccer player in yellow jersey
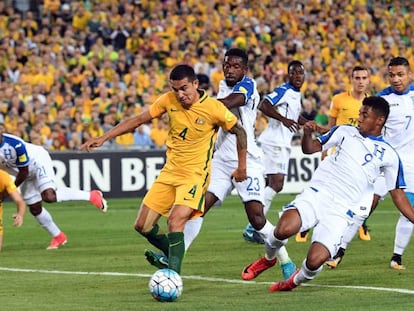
{"x": 345, "y": 106}
{"x": 7, "y": 187}
{"x": 178, "y": 192}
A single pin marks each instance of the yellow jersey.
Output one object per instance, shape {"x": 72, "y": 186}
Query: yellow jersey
{"x": 345, "y": 108}
{"x": 6, "y": 184}
{"x": 192, "y": 132}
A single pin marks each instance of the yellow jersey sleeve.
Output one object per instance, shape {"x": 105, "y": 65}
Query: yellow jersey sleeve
{"x": 6, "y": 182}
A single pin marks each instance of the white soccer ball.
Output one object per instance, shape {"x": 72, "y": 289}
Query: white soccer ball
{"x": 166, "y": 285}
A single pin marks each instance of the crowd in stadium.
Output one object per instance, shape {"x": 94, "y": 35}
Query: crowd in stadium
{"x": 71, "y": 70}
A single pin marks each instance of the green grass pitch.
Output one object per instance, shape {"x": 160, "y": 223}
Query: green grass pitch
{"x": 102, "y": 267}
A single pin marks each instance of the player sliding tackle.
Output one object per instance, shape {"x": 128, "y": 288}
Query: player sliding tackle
{"x": 338, "y": 189}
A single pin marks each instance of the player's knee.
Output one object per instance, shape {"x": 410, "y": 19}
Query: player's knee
{"x": 257, "y": 222}
{"x": 49, "y": 196}
{"x": 277, "y": 187}
{"x": 35, "y": 209}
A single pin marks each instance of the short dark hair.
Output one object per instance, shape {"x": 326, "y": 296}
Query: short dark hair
{"x": 378, "y": 104}
{"x": 358, "y": 68}
{"x": 295, "y": 63}
{"x": 238, "y": 53}
{"x": 399, "y": 61}
{"x": 183, "y": 71}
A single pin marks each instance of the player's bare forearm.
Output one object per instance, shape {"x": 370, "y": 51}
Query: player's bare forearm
{"x": 240, "y": 174}
{"x": 124, "y": 127}
{"x": 309, "y": 144}
{"x": 267, "y": 108}
{"x": 21, "y": 208}
{"x": 241, "y": 136}
{"x": 402, "y": 203}
{"x": 233, "y": 100}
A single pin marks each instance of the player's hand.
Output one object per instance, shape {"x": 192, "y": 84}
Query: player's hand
{"x": 92, "y": 144}
{"x": 310, "y": 126}
{"x": 18, "y": 220}
{"x": 239, "y": 174}
{"x": 292, "y": 125}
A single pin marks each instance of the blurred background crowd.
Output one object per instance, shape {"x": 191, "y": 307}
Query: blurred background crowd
{"x": 71, "y": 70}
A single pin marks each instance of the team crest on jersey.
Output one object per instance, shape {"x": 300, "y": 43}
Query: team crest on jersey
{"x": 200, "y": 121}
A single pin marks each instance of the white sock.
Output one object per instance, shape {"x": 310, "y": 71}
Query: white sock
{"x": 403, "y": 232}
{"x": 267, "y": 230}
{"x": 282, "y": 255}
{"x": 45, "y": 220}
{"x": 70, "y": 194}
{"x": 269, "y": 194}
{"x": 351, "y": 231}
{"x": 191, "y": 230}
{"x": 276, "y": 248}
{"x": 305, "y": 274}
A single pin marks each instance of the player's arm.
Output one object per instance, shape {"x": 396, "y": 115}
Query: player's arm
{"x": 21, "y": 208}
{"x": 125, "y": 126}
{"x": 269, "y": 110}
{"x": 240, "y": 173}
{"x": 331, "y": 122}
{"x": 233, "y": 100}
{"x": 402, "y": 203}
{"x": 309, "y": 144}
{"x": 21, "y": 175}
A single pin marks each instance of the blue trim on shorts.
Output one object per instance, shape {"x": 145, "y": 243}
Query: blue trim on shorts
{"x": 410, "y": 197}
{"x": 314, "y": 189}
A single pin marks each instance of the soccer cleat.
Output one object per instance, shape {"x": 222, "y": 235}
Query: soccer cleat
{"x": 396, "y": 262}
{"x": 156, "y": 259}
{"x": 288, "y": 269}
{"x": 255, "y": 268}
{"x": 302, "y": 237}
{"x": 97, "y": 199}
{"x": 251, "y": 235}
{"x": 57, "y": 241}
{"x": 284, "y": 286}
{"x": 396, "y": 266}
{"x": 334, "y": 262}
{"x": 363, "y": 233}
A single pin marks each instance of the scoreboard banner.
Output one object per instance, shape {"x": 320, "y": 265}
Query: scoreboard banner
{"x": 120, "y": 174}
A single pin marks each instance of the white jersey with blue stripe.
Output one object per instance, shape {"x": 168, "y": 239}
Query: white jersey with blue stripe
{"x": 349, "y": 174}
{"x": 226, "y": 144}
{"x": 287, "y": 100}
{"x": 16, "y": 153}
{"x": 399, "y": 128}
{"x": 13, "y": 154}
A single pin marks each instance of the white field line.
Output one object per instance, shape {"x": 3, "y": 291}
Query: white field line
{"x": 202, "y": 278}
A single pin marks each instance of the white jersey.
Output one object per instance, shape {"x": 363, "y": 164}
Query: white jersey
{"x": 287, "y": 100}
{"x": 399, "y": 128}
{"x": 16, "y": 153}
{"x": 226, "y": 143}
{"x": 349, "y": 174}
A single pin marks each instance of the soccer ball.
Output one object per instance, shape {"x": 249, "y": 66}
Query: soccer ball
{"x": 166, "y": 285}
